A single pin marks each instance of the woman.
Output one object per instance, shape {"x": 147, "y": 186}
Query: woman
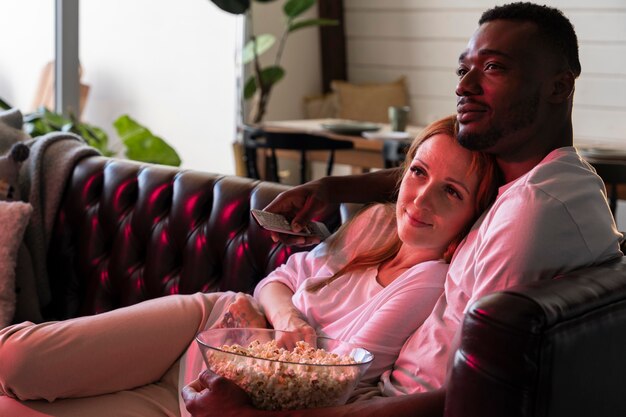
{"x": 372, "y": 283}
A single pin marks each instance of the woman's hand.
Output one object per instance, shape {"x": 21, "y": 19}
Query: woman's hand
{"x": 243, "y": 312}
{"x": 211, "y": 395}
{"x": 293, "y": 322}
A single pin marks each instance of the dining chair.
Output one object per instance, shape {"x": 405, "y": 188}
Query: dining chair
{"x": 255, "y": 138}
{"x": 394, "y": 152}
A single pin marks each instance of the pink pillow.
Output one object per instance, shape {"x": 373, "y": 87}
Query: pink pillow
{"x": 14, "y": 218}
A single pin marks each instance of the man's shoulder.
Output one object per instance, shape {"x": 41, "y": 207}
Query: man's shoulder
{"x": 562, "y": 201}
{"x": 564, "y": 177}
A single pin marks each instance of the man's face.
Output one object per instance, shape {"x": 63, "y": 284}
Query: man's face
{"x": 502, "y": 78}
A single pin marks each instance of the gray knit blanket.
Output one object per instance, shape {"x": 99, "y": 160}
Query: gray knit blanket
{"x": 43, "y": 178}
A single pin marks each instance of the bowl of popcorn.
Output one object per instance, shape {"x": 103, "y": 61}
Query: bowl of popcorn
{"x": 283, "y": 370}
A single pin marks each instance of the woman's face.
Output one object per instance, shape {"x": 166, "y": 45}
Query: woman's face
{"x": 437, "y": 196}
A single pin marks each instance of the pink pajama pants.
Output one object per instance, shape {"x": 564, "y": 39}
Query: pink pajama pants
{"x": 124, "y": 362}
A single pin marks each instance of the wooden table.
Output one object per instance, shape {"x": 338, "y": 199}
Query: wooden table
{"x": 366, "y": 154}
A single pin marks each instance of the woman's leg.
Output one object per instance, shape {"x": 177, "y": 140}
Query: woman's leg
{"x": 159, "y": 399}
{"x": 114, "y": 351}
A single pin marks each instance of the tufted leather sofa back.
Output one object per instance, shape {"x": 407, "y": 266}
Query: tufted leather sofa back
{"x": 127, "y": 232}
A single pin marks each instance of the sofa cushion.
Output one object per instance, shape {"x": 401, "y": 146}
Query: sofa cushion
{"x": 369, "y": 102}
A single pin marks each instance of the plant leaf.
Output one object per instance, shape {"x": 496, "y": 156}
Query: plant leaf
{"x": 263, "y": 43}
{"x": 311, "y": 22}
{"x": 4, "y": 105}
{"x": 272, "y": 75}
{"x": 250, "y": 88}
{"x": 294, "y": 8}
{"x": 233, "y": 6}
{"x": 142, "y": 145}
{"x": 95, "y": 137}
{"x": 43, "y": 121}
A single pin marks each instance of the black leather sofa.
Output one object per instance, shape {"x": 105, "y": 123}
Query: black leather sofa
{"x": 126, "y": 233}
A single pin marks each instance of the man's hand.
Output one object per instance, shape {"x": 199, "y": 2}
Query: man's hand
{"x": 301, "y": 204}
{"x": 212, "y": 395}
{"x": 319, "y": 198}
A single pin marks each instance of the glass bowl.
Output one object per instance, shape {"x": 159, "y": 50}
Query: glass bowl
{"x": 300, "y": 378}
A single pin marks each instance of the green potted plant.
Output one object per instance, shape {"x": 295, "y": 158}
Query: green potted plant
{"x": 259, "y": 85}
{"x": 140, "y": 143}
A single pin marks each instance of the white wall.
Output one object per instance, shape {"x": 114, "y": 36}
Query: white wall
{"x": 168, "y": 64}
{"x": 27, "y": 44}
{"x": 422, "y": 39}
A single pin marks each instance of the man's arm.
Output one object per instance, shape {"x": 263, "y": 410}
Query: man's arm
{"x": 212, "y": 396}
{"x": 318, "y": 198}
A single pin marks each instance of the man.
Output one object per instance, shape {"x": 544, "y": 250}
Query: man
{"x": 515, "y": 96}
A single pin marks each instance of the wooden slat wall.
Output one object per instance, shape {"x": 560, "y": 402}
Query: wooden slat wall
{"x": 422, "y": 39}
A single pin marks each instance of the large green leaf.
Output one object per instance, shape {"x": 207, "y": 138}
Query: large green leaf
{"x": 294, "y": 8}
{"x": 249, "y": 88}
{"x": 263, "y": 43}
{"x": 233, "y": 6}
{"x": 272, "y": 75}
{"x": 142, "y": 145}
{"x": 293, "y": 26}
{"x": 269, "y": 77}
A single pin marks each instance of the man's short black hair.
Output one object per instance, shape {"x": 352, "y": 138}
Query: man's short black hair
{"x": 554, "y": 28}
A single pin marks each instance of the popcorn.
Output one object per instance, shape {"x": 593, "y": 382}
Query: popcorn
{"x": 288, "y": 379}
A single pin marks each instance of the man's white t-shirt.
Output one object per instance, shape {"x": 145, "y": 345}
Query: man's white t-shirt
{"x": 553, "y": 219}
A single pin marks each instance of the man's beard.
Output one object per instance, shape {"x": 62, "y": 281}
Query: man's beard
{"x": 522, "y": 114}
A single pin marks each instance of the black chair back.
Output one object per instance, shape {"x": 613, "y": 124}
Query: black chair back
{"x": 394, "y": 152}
{"x": 257, "y": 138}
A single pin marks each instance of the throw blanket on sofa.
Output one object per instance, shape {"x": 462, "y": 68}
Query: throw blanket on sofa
{"x": 43, "y": 178}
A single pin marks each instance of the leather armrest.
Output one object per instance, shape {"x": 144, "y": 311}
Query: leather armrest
{"x": 552, "y": 348}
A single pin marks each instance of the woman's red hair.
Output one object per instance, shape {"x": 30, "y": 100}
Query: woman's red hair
{"x": 483, "y": 165}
